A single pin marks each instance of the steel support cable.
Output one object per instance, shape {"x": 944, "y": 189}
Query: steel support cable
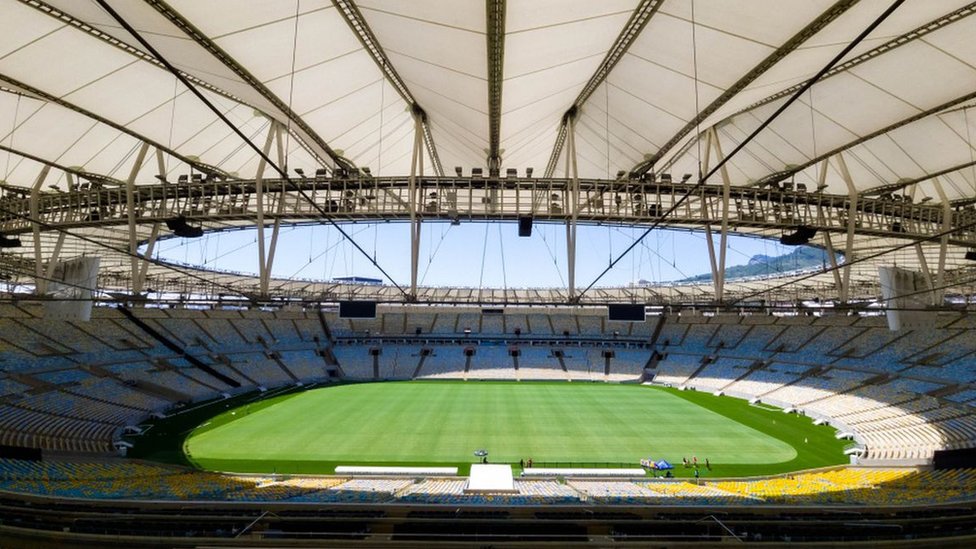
{"x": 859, "y": 260}
{"x": 632, "y": 29}
{"x": 433, "y": 253}
{"x": 123, "y": 251}
{"x": 693, "y": 283}
{"x": 809, "y": 83}
{"x": 328, "y": 248}
{"x": 357, "y": 23}
{"x": 798, "y": 39}
{"x": 284, "y": 175}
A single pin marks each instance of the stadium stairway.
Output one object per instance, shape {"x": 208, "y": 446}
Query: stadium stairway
{"x": 281, "y": 364}
{"x": 179, "y": 350}
{"x": 229, "y": 364}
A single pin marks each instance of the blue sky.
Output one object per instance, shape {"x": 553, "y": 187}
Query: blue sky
{"x": 469, "y": 255}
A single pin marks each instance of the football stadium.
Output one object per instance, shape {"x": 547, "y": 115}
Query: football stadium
{"x": 536, "y": 273}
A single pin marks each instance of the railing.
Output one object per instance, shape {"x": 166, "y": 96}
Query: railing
{"x": 600, "y": 201}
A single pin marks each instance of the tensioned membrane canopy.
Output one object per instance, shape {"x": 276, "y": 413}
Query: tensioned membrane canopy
{"x": 81, "y": 92}
{"x": 653, "y": 85}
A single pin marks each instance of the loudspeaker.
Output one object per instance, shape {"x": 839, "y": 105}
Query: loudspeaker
{"x": 802, "y": 236}
{"x": 180, "y": 228}
{"x": 525, "y": 225}
{"x": 9, "y": 242}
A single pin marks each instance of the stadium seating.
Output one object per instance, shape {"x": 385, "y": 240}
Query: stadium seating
{"x": 677, "y": 368}
{"x": 123, "y": 479}
{"x": 903, "y": 395}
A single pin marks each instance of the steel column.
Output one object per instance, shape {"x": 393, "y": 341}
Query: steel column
{"x": 269, "y": 265}
{"x": 572, "y": 172}
{"x": 925, "y": 270}
{"x": 35, "y": 197}
{"x": 724, "y": 238}
{"x": 710, "y": 244}
{"x": 51, "y": 262}
{"x": 263, "y": 274}
{"x": 851, "y": 226}
{"x": 416, "y": 168}
{"x": 835, "y": 270}
{"x": 130, "y": 208}
{"x": 944, "y": 241}
{"x": 140, "y": 281}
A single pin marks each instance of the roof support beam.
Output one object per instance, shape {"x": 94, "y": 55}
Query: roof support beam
{"x": 571, "y": 220}
{"x": 949, "y": 18}
{"x": 638, "y": 20}
{"x": 35, "y": 198}
{"x": 51, "y": 164}
{"x": 851, "y": 227}
{"x": 943, "y": 242}
{"x": 926, "y": 273}
{"x": 300, "y": 127}
{"x": 413, "y": 200}
{"x": 771, "y": 60}
{"x": 832, "y": 256}
{"x": 901, "y": 184}
{"x": 139, "y": 281}
{"x": 496, "y": 65}
{"x": 914, "y": 34}
{"x": 784, "y": 174}
{"x": 83, "y": 26}
{"x": 282, "y": 171}
{"x": 263, "y": 274}
{"x": 52, "y": 263}
{"x": 357, "y": 23}
{"x": 712, "y": 263}
{"x": 31, "y": 91}
{"x": 265, "y": 282}
{"x": 130, "y": 208}
{"x": 726, "y": 192}
{"x": 762, "y": 126}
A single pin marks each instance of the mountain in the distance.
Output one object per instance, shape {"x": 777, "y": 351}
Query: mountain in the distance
{"x": 804, "y": 257}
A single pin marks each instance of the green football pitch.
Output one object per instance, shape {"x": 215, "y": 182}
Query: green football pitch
{"x": 444, "y": 423}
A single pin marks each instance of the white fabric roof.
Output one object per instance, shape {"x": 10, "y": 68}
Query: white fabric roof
{"x": 304, "y": 56}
